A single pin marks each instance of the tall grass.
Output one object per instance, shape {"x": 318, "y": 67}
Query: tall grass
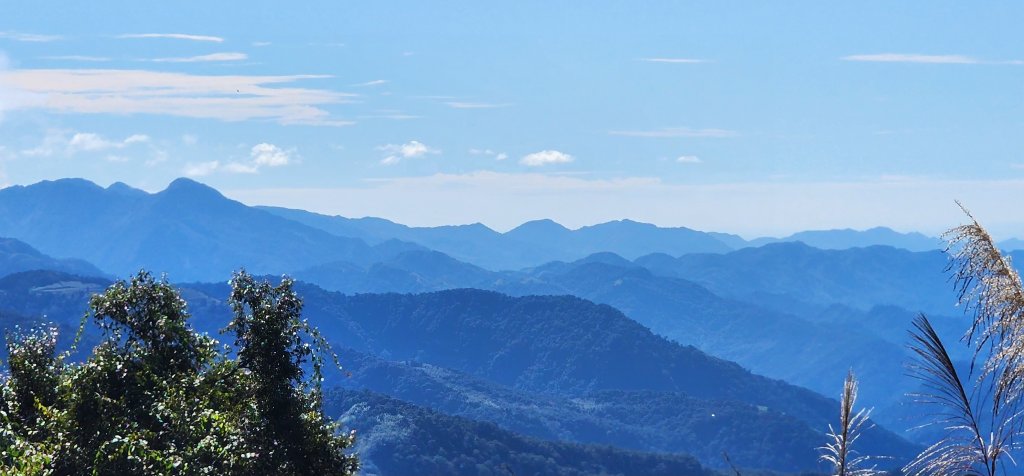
{"x": 980, "y": 415}
{"x": 839, "y": 452}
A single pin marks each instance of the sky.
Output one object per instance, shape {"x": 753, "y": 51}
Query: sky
{"x": 756, "y": 118}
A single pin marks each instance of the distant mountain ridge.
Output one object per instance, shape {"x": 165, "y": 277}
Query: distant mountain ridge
{"x": 188, "y": 230}
{"x": 540, "y": 241}
{"x": 849, "y": 238}
{"x": 120, "y": 229}
{"x": 17, "y": 256}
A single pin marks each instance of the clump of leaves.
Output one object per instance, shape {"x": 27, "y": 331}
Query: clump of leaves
{"x": 156, "y": 397}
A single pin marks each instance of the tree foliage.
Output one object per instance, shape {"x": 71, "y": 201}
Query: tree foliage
{"x": 156, "y": 397}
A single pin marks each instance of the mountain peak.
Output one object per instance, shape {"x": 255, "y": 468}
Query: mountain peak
{"x": 122, "y": 188}
{"x": 191, "y": 187}
{"x": 543, "y": 225}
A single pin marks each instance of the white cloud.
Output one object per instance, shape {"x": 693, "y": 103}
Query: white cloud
{"x": 201, "y": 169}
{"x": 688, "y": 159}
{"x": 376, "y": 82}
{"x": 489, "y": 153}
{"x": 260, "y": 43}
{"x": 189, "y": 139}
{"x": 668, "y": 132}
{"x": 29, "y": 37}
{"x": 85, "y": 141}
{"x": 674, "y": 60}
{"x": 925, "y": 59}
{"x": 57, "y": 141}
{"x": 410, "y": 150}
{"x": 89, "y": 142}
{"x": 473, "y": 105}
{"x": 204, "y": 58}
{"x": 226, "y": 98}
{"x": 268, "y": 155}
{"x": 174, "y": 36}
{"x": 93, "y": 59}
{"x": 545, "y": 157}
{"x": 260, "y": 155}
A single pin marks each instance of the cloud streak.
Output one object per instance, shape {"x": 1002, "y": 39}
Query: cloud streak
{"x": 375, "y": 82}
{"x": 29, "y": 37}
{"x": 671, "y": 132}
{"x": 93, "y": 59}
{"x": 473, "y": 105}
{"x": 922, "y": 59}
{"x": 204, "y": 58}
{"x": 173, "y": 36}
{"x": 126, "y": 92}
{"x": 674, "y": 60}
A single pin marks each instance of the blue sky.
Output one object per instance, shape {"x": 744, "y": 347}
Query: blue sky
{"x": 747, "y": 117}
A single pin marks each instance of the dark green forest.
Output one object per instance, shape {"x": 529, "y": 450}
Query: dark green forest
{"x": 156, "y": 397}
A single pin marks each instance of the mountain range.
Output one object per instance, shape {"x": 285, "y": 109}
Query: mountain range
{"x": 119, "y": 229}
{"x": 620, "y": 333}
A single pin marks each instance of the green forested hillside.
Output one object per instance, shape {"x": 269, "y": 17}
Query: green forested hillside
{"x": 397, "y": 438}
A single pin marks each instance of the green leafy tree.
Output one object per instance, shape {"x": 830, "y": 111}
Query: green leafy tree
{"x": 156, "y": 397}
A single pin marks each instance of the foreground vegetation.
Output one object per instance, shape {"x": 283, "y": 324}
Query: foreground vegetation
{"x": 156, "y": 397}
{"x": 978, "y": 411}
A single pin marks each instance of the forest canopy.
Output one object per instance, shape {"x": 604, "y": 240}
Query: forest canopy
{"x": 157, "y": 397}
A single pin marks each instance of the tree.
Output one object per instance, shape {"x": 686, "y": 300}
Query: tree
{"x": 156, "y": 397}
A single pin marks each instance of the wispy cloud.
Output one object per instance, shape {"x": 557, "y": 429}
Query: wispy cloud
{"x": 674, "y": 60}
{"x": 393, "y": 115}
{"x": 473, "y": 105}
{"x": 89, "y": 142}
{"x": 546, "y": 157}
{"x": 489, "y": 153}
{"x": 174, "y": 36}
{"x": 201, "y": 169}
{"x": 260, "y": 156}
{"x": 924, "y": 59}
{"x": 58, "y": 142}
{"x": 688, "y": 159}
{"x": 94, "y": 59}
{"x": 204, "y": 58}
{"x": 227, "y": 98}
{"x": 668, "y": 132}
{"x": 375, "y": 82}
{"x": 28, "y": 37}
{"x": 410, "y": 150}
